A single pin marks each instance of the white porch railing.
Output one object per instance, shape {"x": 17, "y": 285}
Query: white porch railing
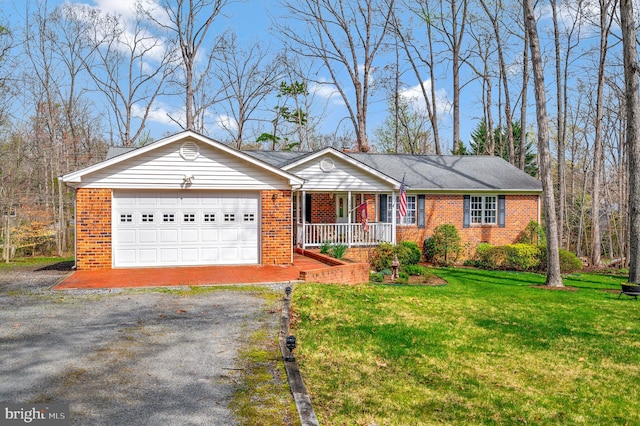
{"x": 351, "y": 234}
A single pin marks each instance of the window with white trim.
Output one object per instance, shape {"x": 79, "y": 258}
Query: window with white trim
{"x": 410, "y": 218}
{"x": 484, "y": 209}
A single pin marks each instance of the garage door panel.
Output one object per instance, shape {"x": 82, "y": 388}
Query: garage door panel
{"x": 126, "y": 236}
{"x": 230, "y": 254}
{"x": 178, "y": 228}
{"x": 189, "y": 255}
{"x": 168, "y": 236}
{"x": 189, "y": 235}
{"x": 209, "y": 235}
{"x": 169, "y": 255}
{"x": 229, "y": 234}
{"x": 148, "y": 255}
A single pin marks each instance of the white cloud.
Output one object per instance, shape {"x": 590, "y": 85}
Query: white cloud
{"x": 327, "y": 91}
{"x": 415, "y": 97}
{"x": 226, "y": 122}
{"x": 160, "y": 114}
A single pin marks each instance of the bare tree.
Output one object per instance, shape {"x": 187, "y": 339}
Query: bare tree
{"x": 631, "y": 71}
{"x": 451, "y": 21}
{"x": 189, "y": 22}
{"x": 606, "y": 19}
{"x": 554, "y": 277}
{"x": 418, "y": 56}
{"x": 130, "y": 67}
{"x": 247, "y": 76}
{"x": 346, "y": 37}
{"x": 497, "y": 22}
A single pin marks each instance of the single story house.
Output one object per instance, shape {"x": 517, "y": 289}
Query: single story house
{"x": 189, "y": 200}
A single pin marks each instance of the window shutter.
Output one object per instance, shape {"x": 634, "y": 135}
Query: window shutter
{"x": 307, "y": 208}
{"x": 420, "y": 211}
{"x": 466, "y": 216}
{"x": 383, "y": 207}
{"x": 501, "y": 211}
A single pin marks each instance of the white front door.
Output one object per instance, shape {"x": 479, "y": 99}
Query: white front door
{"x": 342, "y": 208}
{"x": 184, "y": 228}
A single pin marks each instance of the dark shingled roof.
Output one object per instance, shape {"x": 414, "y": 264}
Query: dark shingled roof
{"x": 432, "y": 172}
{"x": 421, "y": 172}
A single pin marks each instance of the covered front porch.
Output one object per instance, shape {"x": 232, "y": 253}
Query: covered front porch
{"x": 342, "y": 201}
{"x": 348, "y": 218}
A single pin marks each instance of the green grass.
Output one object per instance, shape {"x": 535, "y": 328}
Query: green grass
{"x": 33, "y": 261}
{"x": 488, "y": 348}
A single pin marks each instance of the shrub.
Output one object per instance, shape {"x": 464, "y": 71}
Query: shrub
{"x": 376, "y": 277}
{"x": 484, "y": 256}
{"x": 447, "y": 244}
{"x": 521, "y": 257}
{"x": 414, "y": 269}
{"x": 569, "y": 262}
{"x": 325, "y": 247}
{"x": 403, "y": 275}
{"x": 382, "y": 257}
{"x": 429, "y": 249}
{"x": 533, "y": 234}
{"x": 338, "y": 250}
{"x": 413, "y": 255}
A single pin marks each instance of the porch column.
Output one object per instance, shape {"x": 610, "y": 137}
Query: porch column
{"x": 394, "y": 217}
{"x": 350, "y": 231}
{"x": 304, "y": 216}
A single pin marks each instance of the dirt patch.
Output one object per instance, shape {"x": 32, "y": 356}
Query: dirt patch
{"x": 432, "y": 280}
{"x": 546, "y": 287}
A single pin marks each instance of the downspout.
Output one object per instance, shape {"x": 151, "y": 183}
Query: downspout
{"x": 75, "y": 227}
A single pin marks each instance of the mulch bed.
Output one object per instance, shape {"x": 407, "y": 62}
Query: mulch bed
{"x": 431, "y": 280}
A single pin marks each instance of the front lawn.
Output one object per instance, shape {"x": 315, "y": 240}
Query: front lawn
{"x": 488, "y": 348}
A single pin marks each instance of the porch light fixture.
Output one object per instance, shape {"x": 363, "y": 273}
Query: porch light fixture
{"x": 274, "y": 196}
{"x": 188, "y": 179}
{"x": 290, "y": 343}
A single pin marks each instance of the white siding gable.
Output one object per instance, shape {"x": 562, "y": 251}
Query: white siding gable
{"x": 165, "y": 168}
{"x": 344, "y": 176}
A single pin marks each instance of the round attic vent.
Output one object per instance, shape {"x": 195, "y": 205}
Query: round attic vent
{"x": 326, "y": 164}
{"x": 189, "y": 151}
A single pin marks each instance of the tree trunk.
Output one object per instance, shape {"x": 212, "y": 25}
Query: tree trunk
{"x": 559, "y": 125}
{"x": 554, "y": 277}
{"x": 633, "y": 134}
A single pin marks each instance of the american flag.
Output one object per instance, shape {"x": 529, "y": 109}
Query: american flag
{"x": 402, "y": 205}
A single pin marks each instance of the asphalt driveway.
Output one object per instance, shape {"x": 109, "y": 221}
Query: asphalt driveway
{"x": 125, "y": 357}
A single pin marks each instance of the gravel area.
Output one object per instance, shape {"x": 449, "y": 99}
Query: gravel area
{"x": 125, "y": 357}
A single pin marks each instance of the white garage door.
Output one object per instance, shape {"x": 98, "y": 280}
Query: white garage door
{"x": 184, "y": 228}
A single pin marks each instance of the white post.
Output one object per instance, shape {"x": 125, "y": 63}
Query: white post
{"x": 304, "y": 217}
{"x": 394, "y": 217}
{"x": 350, "y": 232}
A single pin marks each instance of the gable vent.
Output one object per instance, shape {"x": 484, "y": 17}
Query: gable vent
{"x": 189, "y": 151}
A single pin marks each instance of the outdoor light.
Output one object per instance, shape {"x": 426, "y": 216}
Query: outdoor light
{"x": 187, "y": 179}
{"x": 287, "y": 291}
{"x": 290, "y": 342}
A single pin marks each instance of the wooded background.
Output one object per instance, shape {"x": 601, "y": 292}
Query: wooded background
{"x": 75, "y": 80}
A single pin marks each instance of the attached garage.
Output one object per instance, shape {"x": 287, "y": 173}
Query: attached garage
{"x": 185, "y": 229}
{"x": 185, "y": 200}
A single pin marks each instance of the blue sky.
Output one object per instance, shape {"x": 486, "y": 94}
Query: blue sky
{"x": 251, "y": 20}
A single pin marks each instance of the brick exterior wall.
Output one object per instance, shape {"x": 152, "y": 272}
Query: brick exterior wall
{"x": 93, "y": 228}
{"x": 276, "y": 227}
{"x": 442, "y": 209}
{"x": 323, "y": 208}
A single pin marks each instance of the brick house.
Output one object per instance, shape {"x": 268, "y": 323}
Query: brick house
{"x": 189, "y": 200}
